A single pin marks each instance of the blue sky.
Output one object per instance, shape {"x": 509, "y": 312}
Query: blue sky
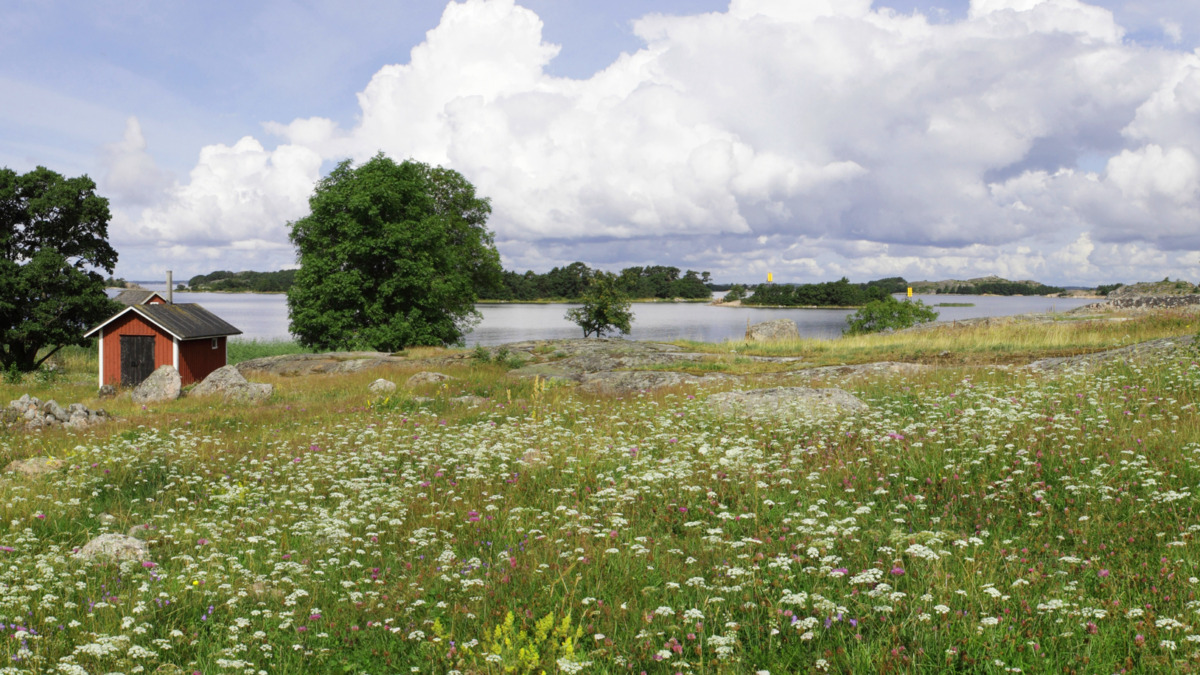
{"x": 1053, "y": 139}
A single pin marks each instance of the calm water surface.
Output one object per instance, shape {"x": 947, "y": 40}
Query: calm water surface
{"x": 264, "y": 317}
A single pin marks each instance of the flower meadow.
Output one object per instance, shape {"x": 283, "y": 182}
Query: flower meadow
{"x": 975, "y": 519}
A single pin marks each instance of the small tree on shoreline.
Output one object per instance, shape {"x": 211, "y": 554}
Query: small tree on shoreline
{"x": 605, "y": 308}
{"x": 888, "y": 314}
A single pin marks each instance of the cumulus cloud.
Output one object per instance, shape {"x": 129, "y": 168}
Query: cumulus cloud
{"x": 241, "y": 196}
{"x": 813, "y": 139}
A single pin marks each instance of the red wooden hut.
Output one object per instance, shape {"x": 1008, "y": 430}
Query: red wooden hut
{"x": 143, "y": 337}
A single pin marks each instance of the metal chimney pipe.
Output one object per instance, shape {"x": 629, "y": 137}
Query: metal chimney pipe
{"x": 170, "y": 289}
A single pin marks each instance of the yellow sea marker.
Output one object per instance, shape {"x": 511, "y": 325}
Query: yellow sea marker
{"x": 910, "y": 291}
{"x": 770, "y": 277}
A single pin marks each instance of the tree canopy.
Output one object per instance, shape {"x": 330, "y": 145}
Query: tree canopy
{"x": 53, "y": 236}
{"x": 605, "y": 307}
{"x": 390, "y": 256}
{"x": 570, "y": 283}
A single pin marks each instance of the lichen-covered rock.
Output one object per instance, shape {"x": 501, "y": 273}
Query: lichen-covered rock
{"x": 228, "y": 383}
{"x": 114, "y": 547}
{"x": 294, "y": 365}
{"x": 784, "y": 401}
{"x": 219, "y": 381}
{"x": 34, "y": 467}
{"x": 164, "y": 384}
{"x": 770, "y": 331}
{"x": 877, "y": 368}
{"x": 107, "y": 391}
{"x": 633, "y": 381}
{"x": 382, "y": 387}
{"x": 427, "y": 377}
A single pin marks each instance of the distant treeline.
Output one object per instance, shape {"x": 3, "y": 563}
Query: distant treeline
{"x": 840, "y": 293}
{"x": 569, "y": 282}
{"x": 253, "y": 282}
{"x": 1001, "y": 288}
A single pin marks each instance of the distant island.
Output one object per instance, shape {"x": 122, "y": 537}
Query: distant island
{"x": 664, "y": 282}
{"x": 561, "y": 284}
{"x": 564, "y": 284}
{"x": 241, "y": 282}
{"x": 843, "y": 293}
{"x": 990, "y": 285}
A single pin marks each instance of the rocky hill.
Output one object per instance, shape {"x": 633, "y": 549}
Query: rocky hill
{"x": 1147, "y": 288}
{"x": 988, "y": 285}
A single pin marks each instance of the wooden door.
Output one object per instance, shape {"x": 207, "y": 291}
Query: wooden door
{"x": 137, "y": 359}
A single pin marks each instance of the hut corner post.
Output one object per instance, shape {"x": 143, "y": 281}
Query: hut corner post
{"x": 170, "y": 289}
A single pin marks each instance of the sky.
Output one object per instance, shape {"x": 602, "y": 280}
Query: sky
{"x": 1056, "y": 140}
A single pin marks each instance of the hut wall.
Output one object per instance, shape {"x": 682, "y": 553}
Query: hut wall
{"x": 132, "y": 324}
{"x": 197, "y": 358}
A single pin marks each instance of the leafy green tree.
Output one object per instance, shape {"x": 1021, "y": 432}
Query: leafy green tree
{"x": 391, "y": 256}
{"x": 691, "y": 285}
{"x": 888, "y": 314}
{"x": 606, "y": 308}
{"x": 53, "y": 236}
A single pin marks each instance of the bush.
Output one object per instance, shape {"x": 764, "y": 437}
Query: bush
{"x": 888, "y": 314}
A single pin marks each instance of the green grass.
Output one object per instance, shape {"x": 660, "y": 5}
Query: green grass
{"x": 976, "y": 519}
{"x": 238, "y": 350}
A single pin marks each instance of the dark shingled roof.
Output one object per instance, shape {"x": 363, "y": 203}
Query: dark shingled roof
{"x": 133, "y": 296}
{"x": 187, "y": 321}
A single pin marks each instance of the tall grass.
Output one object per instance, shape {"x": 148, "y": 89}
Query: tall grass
{"x": 1003, "y": 340}
{"x": 975, "y": 519}
{"x": 238, "y": 350}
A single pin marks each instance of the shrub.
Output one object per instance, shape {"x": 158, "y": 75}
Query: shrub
{"x": 888, "y": 314}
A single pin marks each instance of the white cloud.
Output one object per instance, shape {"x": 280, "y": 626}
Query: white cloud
{"x": 1173, "y": 30}
{"x": 240, "y": 195}
{"x": 131, "y": 174}
{"x": 848, "y": 140}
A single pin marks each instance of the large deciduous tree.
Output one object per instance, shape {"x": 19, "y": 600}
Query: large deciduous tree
{"x": 391, "y": 255}
{"x": 53, "y": 236}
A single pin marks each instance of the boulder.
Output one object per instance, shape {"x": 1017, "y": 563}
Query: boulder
{"x": 427, "y": 377}
{"x": 164, "y": 384}
{"x": 34, "y": 467}
{"x": 228, "y": 383}
{"x": 783, "y": 401}
{"x": 771, "y": 331}
{"x": 53, "y": 409}
{"x": 107, "y": 391}
{"x": 114, "y": 547}
{"x": 470, "y": 400}
{"x": 382, "y": 387}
